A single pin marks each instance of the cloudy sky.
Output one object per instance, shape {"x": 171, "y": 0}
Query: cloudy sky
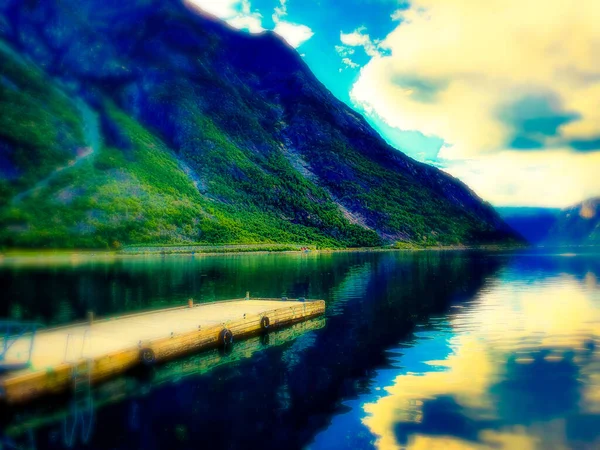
{"x": 504, "y": 94}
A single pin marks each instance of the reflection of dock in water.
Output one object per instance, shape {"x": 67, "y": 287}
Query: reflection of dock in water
{"x": 112, "y": 346}
{"x": 74, "y": 421}
{"x": 205, "y": 362}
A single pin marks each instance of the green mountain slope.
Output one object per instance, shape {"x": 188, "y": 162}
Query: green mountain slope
{"x": 146, "y": 122}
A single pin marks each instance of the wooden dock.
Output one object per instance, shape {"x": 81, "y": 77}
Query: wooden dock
{"x": 67, "y": 356}
{"x": 125, "y": 387}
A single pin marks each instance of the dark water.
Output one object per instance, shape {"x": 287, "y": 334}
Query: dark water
{"x": 424, "y": 350}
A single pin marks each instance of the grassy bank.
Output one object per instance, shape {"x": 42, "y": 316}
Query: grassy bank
{"x": 224, "y": 248}
{"x": 43, "y": 256}
{"x": 73, "y": 255}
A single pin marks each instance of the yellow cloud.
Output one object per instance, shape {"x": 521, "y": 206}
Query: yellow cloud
{"x": 552, "y": 178}
{"x": 453, "y": 65}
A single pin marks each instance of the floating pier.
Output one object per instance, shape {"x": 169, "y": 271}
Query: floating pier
{"x": 125, "y": 387}
{"x": 64, "y": 358}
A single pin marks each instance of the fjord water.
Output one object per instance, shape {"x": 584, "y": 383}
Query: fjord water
{"x": 419, "y": 350}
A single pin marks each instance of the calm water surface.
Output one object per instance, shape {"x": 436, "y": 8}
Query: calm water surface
{"x": 428, "y": 350}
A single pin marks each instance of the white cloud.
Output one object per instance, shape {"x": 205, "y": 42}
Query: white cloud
{"x": 295, "y": 34}
{"x": 222, "y": 9}
{"x": 237, "y": 13}
{"x": 250, "y": 23}
{"x": 397, "y": 15}
{"x": 355, "y": 39}
{"x": 359, "y": 38}
{"x": 280, "y": 11}
{"x": 455, "y": 67}
{"x": 349, "y": 63}
{"x": 344, "y": 51}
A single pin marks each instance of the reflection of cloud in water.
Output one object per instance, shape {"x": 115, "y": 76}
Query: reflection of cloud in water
{"x": 522, "y": 362}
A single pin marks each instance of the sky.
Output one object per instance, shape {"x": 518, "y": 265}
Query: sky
{"x": 503, "y": 94}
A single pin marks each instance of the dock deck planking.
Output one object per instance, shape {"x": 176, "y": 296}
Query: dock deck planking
{"x": 111, "y": 346}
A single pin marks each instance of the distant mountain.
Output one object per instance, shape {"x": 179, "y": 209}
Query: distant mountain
{"x": 146, "y": 122}
{"x": 532, "y": 223}
{"x": 577, "y": 225}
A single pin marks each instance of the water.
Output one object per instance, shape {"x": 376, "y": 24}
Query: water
{"x": 427, "y": 350}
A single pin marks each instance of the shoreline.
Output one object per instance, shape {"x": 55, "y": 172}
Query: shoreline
{"x": 18, "y": 257}
{"x": 229, "y": 250}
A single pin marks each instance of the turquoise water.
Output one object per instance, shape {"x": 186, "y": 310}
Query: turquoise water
{"x": 423, "y": 350}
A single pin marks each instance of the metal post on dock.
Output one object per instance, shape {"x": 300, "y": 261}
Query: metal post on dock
{"x": 247, "y": 295}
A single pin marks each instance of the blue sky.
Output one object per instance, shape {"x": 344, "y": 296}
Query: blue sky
{"x": 328, "y": 19}
{"x": 502, "y": 94}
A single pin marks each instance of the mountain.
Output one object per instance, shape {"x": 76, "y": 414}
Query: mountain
{"x": 577, "y": 225}
{"x": 149, "y": 122}
{"x": 532, "y": 223}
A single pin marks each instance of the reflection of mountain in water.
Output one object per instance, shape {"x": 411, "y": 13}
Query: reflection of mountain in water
{"x": 287, "y": 393}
